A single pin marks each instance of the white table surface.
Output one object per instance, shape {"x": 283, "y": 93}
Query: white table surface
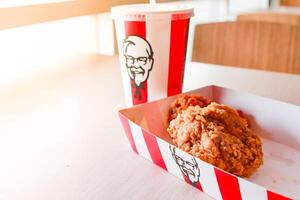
{"x": 60, "y": 136}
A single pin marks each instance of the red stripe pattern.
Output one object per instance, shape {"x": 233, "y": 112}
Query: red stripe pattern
{"x": 274, "y": 196}
{"x": 127, "y": 129}
{"x": 228, "y": 185}
{"x": 137, "y": 28}
{"x": 178, "y": 44}
{"x": 154, "y": 150}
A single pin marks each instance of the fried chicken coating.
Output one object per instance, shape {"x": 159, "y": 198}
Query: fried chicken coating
{"x": 184, "y": 101}
{"x": 218, "y": 135}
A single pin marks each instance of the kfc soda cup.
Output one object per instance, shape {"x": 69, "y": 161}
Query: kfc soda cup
{"x": 152, "y": 43}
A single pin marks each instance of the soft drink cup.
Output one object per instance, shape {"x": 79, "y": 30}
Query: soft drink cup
{"x": 152, "y": 43}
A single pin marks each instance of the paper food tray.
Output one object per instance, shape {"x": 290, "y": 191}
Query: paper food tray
{"x": 277, "y": 123}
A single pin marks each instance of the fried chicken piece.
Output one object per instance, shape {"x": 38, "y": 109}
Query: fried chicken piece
{"x": 218, "y": 135}
{"x": 184, "y": 101}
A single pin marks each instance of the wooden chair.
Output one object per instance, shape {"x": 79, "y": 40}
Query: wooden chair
{"x": 271, "y": 16}
{"x": 290, "y": 2}
{"x": 256, "y": 45}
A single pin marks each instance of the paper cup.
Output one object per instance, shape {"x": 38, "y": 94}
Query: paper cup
{"x": 152, "y": 43}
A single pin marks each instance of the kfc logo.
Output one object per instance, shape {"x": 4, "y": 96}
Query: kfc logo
{"x": 189, "y": 168}
{"x": 138, "y": 55}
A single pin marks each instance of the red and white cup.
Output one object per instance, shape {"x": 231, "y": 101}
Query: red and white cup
{"x": 152, "y": 42}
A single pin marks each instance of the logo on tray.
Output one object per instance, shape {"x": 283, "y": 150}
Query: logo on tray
{"x": 138, "y": 55}
{"x": 189, "y": 168}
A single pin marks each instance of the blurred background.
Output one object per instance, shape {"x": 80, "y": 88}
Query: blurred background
{"x": 38, "y": 36}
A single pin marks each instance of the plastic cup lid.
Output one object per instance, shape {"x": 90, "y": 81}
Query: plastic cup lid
{"x": 138, "y": 12}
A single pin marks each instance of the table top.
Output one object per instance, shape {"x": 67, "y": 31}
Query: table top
{"x": 60, "y": 136}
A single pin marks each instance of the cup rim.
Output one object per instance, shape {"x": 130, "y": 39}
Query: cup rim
{"x": 139, "y": 12}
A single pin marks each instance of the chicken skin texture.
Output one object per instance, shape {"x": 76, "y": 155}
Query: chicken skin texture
{"x": 217, "y": 134}
{"x": 184, "y": 101}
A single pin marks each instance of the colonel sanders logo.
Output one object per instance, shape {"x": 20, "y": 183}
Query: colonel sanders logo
{"x": 139, "y": 60}
{"x": 189, "y": 168}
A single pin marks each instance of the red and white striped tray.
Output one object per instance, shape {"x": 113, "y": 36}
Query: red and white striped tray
{"x": 278, "y": 179}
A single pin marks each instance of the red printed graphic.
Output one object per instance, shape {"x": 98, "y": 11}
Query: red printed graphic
{"x": 229, "y": 185}
{"x": 137, "y": 28}
{"x": 154, "y": 150}
{"x": 188, "y": 167}
{"x": 178, "y": 44}
{"x": 196, "y": 185}
{"x": 274, "y": 196}
{"x": 127, "y": 129}
{"x": 138, "y": 56}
